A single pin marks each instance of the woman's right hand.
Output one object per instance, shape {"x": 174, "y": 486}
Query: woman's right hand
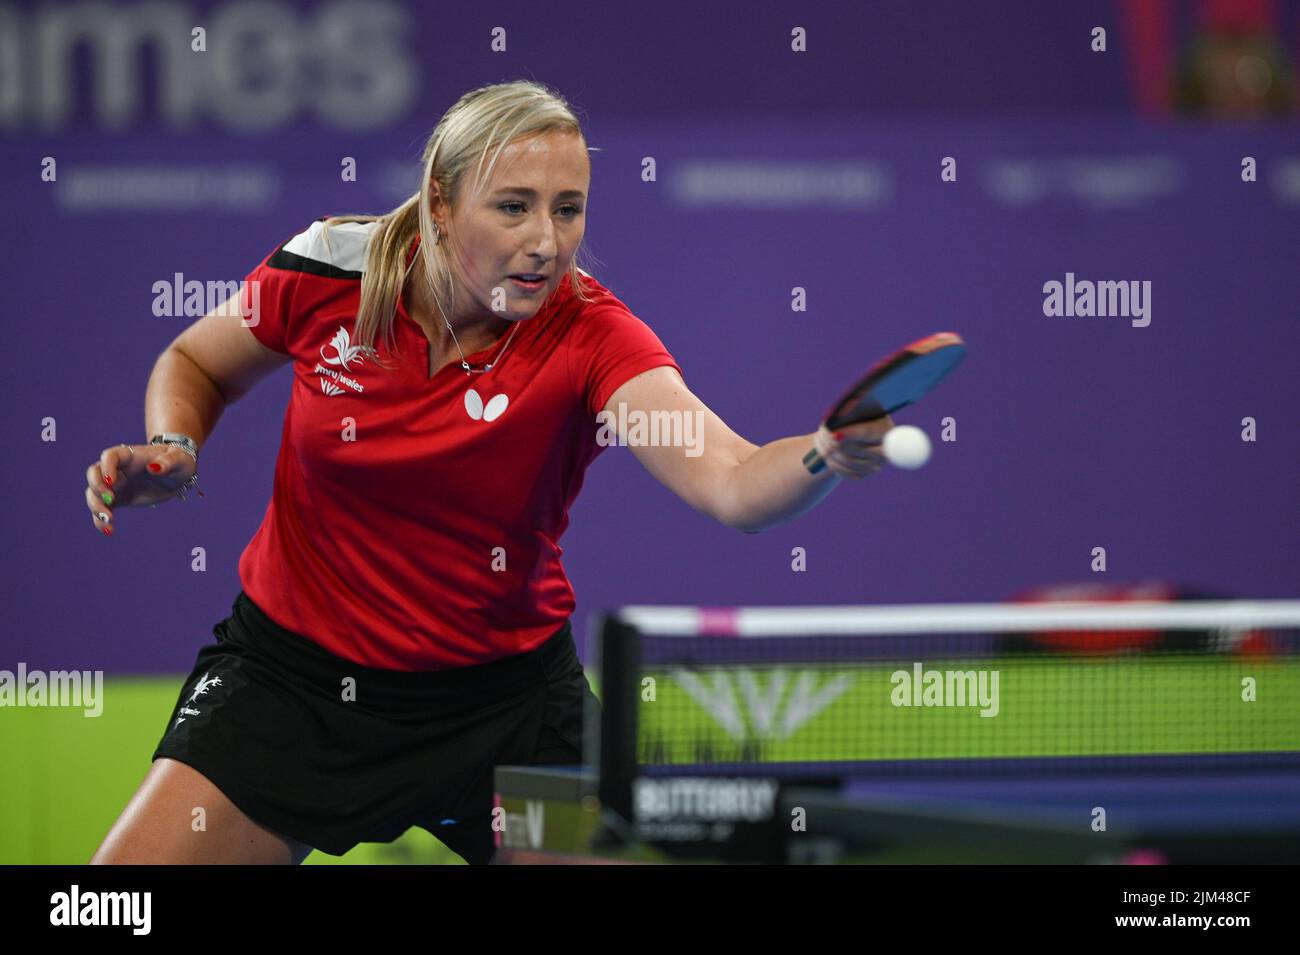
{"x": 133, "y": 475}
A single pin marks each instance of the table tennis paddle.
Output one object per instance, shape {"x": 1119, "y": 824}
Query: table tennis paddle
{"x": 893, "y": 383}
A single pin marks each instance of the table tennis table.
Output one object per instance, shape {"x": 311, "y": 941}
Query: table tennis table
{"x": 1220, "y": 812}
{"x": 774, "y": 735}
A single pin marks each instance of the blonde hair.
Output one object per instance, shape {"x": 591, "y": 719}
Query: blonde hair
{"x": 485, "y": 119}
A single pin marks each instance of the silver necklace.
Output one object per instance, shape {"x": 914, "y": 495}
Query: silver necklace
{"x": 469, "y": 370}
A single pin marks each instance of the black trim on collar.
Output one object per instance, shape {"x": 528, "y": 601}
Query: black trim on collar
{"x": 293, "y": 262}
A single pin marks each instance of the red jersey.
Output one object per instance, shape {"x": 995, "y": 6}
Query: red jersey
{"x": 415, "y": 521}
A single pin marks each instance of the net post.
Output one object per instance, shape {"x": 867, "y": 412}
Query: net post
{"x": 616, "y": 748}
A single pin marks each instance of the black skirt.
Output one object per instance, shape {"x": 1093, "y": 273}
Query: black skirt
{"x": 332, "y": 753}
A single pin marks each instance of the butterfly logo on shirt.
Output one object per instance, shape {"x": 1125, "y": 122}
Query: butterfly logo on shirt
{"x": 475, "y": 408}
{"x": 332, "y": 380}
{"x": 344, "y": 350}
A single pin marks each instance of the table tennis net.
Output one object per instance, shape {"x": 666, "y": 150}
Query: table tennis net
{"x": 947, "y": 687}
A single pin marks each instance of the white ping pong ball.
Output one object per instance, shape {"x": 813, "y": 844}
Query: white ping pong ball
{"x": 907, "y": 447}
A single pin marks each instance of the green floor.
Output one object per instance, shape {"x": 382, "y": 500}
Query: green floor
{"x": 67, "y": 777}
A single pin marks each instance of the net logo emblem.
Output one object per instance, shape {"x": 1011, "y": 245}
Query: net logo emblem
{"x": 762, "y": 705}
{"x": 103, "y": 908}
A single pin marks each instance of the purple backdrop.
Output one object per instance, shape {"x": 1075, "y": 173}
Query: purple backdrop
{"x": 1072, "y": 433}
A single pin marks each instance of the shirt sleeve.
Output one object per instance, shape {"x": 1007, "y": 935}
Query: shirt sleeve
{"x": 267, "y": 298}
{"x": 610, "y": 347}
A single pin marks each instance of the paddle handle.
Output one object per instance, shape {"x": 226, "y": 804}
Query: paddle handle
{"x": 814, "y": 462}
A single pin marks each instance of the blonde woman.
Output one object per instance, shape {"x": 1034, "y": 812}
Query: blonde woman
{"x": 403, "y": 623}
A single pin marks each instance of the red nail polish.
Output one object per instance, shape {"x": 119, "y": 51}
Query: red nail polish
{"x": 108, "y": 481}
{"x": 155, "y": 467}
{"x": 839, "y": 435}
{"x": 108, "y": 531}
